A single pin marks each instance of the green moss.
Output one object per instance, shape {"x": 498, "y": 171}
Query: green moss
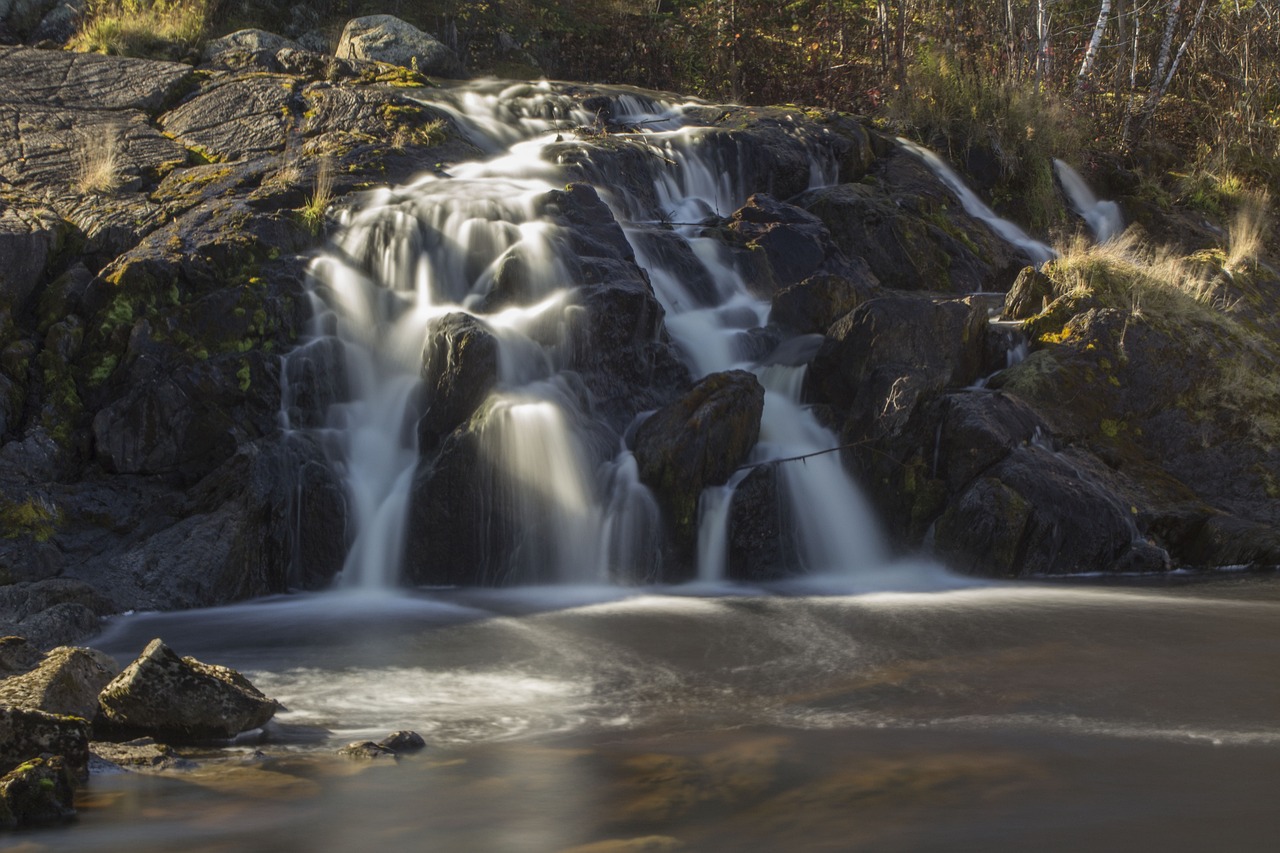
{"x": 245, "y": 375}
{"x": 37, "y": 518}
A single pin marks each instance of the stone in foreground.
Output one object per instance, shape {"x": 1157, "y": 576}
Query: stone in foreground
{"x": 40, "y": 792}
{"x": 67, "y": 681}
{"x": 25, "y": 735}
{"x": 182, "y": 698}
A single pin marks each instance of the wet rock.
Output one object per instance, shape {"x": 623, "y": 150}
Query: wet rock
{"x": 37, "y": 793}
{"x": 24, "y": 735}
{"x": 699, "y": 440}
{"x": 813, "y": 305}
{"x": 139, "y": 754}
{"x": 402, "y": 742}
{"x": 459, "y": 369}
{"x": 385, "y": 38}
{"x": 761, "y": 529}
{"x": 66, "y": 682}
{"x": 367, "y": 750}
{"x": 182, "y": 698}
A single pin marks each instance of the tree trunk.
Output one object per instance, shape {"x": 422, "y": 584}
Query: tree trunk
{"x": 1166, "y": 44}
{"x": 1091, "y": 53}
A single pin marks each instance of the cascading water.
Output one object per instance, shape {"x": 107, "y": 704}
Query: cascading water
{"x": 1039, "y": 253}
{"x": 1101, "y": 215}
{"x": 572, "y": 506}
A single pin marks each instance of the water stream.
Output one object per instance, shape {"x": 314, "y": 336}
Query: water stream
{"x": 1103, "y": 216}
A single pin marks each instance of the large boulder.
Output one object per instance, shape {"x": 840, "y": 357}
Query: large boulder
{"x": 459, "y": 369}
{"x": 67, "y": 681}
{"x": 698, "y": 440}
{"x": 25, "y": 735}
{"x": 182, "y": 698}
{"x": 386, "y": 38}
{"x": 810, "y": 307}
{"x": 236, "y": 118}
{"x": 792, "y": 241}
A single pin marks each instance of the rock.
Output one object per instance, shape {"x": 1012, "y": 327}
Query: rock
{"x": 889, "y": 354}
{"x": 90, "y": 81}
{"x": 761, "y": 529}
{"x": 813, "y": 305}
{"x": 400, "y": 742}
{"x": 66, "y": 682}
{"x": 236, "y": 118}
{"x": 459, "y": 369}
{"x": 699, "y": 440}
{"x": 60, "y": 23}
{"x": 28, "y": 240}
{"x": 367, "y": 750}
{"x": 39, "y": 792}
{"x": 27, "y": 734}
{"x": 248, "y": 41}
{"x": 53, "y": 612}
{"x": 385, "y": 38}
{"x": 183, "y": 698}
{"x": 793, "y": 241}
{"x": 1030, "y": 294}
{"x": 17, "y": 656}
{"x": 139, "y": 754}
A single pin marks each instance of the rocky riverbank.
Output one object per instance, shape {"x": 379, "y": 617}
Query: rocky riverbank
{"x": 156, "y": 226}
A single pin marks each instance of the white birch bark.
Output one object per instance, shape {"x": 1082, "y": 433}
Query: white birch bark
{"x": 1091, "y": 53}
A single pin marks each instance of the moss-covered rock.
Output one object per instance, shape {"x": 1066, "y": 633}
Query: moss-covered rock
{"x": 27, "y": 734}
{"x": 37, "y": 793}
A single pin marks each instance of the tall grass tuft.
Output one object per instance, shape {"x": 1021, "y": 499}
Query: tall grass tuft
{"x": 166, "y": 29}
{"x": 97, "y": 159}
{"x": 1247, "y": 232}
{"x": 313, "y": 212}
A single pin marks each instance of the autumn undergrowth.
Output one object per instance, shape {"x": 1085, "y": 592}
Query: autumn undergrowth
{"x": 165, "y": 29}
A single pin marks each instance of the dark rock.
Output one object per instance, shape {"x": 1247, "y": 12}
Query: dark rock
{"x": 813, "y": 305}
{"x": 28, "y": 240}
{"x": 183, "y": 698}
{"x": 400, "y": 742}
{"x": 66, "y": 682}
{"x": 25, "y": 735}
{"x": 60, "y": 23}
{"x": 385, "y": 38}
{"x": 54, "y": 612}
{"x": 761, "y": 530}
{"x": 1030, "y": 294}
{"x": 698, "y": 441}
{"x": 39, "y": 792}
{"x": 793, "y": 241}
{"x": 17, "y": 656}
{"x": 459, "y": 369}
{"x": 367, "y": 750}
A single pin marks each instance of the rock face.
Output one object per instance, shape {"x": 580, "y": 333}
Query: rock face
{"x": 699, "y": 440}
{"x": 459, "y": 368}
{"x": 183, "y": 698}
{"x": 385, "y": 38}
{"x": 66, "y": 682}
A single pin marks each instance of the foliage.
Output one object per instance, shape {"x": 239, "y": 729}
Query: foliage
{"x": 37, "y": 517}
{"x": 164, "y": 29}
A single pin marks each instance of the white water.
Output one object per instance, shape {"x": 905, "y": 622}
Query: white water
{"x": 1102, "y": 216}
{"x": 1039, "y": 253}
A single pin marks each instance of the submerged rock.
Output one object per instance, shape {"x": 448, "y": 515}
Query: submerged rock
{"x": 182, "y": 698}
{"x": 401, "y": 742}
{"x": 367, "y": 750}
{"x": 139, "y": 754}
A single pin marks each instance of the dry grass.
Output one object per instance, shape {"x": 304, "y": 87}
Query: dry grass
{"x": 313, "y": 212}
{"x": 1247, "y": 232}
{"x": 98, "y": 162}
{"x": 148, "y": 28}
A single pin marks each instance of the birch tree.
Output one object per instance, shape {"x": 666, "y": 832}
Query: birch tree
{"x": 1091, "y": 53}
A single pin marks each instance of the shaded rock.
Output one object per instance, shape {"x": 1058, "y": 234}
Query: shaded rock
{"x": 399, "y": 742}
{"x": 53, "y": 612}
{"x": 761, "y": 529}
{"x": 17, "y": 656}
{"x": 92, "y": 81}
{"x": 28, "y": 240}
{"x": 812, "y": 305}
{"x": 139, "y": 754}
{"x": 699, "y": 440}
{"x": 60, "y": 23}
{"x": 1030, "y": 294}
{"x": 251, "y": 41}
{"x": 24, "y": 735}
{"x": 183, "y": 698}
{"x": 38, "y": 793}
{"x": 66, "y": 682}
{"x": 236, "y": 118}
{"x": 887, "y": 355}
{"x": 367, "y": 750}
{"x": 385, "y": 38}
{"x": 459, "y": 369}
{"x": 793, "y": 241}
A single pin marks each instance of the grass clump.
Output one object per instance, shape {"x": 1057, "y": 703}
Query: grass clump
{"x": 312, "y": 213}
{"x": 160, "y": 29}
{"x": 98, "y": 163}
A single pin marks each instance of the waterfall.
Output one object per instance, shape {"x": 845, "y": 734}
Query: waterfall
{"x": 557, "y": 487}
{"x": 1102, "y": 216}
{"x": 1037, "y": 252}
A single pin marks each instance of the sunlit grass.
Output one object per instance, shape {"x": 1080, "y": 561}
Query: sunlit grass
{"x": 313, "y": 212}
{"x": 147, "y": 28}
{"x": 97, "y": 159}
